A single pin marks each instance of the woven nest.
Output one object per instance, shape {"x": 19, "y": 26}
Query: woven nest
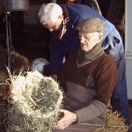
{"x": 114, "y": 123}
{"x": 34, "y": 103}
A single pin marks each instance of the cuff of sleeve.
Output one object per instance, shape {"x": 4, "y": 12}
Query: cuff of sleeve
{"x": 90, "y": 112}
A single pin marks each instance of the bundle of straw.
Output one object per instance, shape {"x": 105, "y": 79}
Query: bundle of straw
{"x": 34, "y": 103}
{"x": 114, "y": 123}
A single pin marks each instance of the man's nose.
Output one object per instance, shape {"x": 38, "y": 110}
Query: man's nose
{"x": 50, "y": 29}
{"x": 81, "y": 40}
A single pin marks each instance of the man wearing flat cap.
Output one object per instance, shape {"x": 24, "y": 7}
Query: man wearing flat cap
{"x": 88, "y": 77}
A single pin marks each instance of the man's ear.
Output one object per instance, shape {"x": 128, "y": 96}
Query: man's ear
{"x": 61, "y": 17}
{"x": 101, "y": 36}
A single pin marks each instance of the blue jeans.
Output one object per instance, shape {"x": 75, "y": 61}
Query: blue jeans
{"x": 114, "y": 47}
{"x": 119, "y": 99}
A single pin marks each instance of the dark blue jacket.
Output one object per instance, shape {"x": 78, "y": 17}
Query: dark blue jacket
{"x": 112, "y": 42}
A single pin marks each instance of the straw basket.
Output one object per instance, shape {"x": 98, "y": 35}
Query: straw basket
{"x": 33, "y": 103}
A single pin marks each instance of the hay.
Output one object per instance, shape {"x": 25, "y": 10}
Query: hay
{"x": 20, "y": 63}
{"x": 34, "y": 103}
{"x": 114, "y": 123}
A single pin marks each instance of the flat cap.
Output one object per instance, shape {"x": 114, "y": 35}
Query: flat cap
{"x": 91, "y": 25}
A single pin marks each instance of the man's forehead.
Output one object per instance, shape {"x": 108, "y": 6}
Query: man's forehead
{"x": 87, "y": 34}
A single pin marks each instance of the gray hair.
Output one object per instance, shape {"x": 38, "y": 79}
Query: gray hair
{"x": 49, "y": 13}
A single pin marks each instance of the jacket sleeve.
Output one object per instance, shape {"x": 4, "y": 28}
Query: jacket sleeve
{"x": 92, "y": 111}
{"x": 57, "y": 55}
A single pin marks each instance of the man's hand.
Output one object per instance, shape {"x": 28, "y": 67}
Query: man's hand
{"x": 66, "y": 120}
{"x": 54, "y": 77}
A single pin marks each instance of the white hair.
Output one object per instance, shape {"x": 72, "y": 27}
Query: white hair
{"x": 49, "y": 13}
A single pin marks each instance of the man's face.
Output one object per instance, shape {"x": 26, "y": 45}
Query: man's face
{"x": 88, "y": 40}
{"x": 54, "y": 26}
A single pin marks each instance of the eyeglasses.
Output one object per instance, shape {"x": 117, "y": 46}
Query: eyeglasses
{"x": 87, "y": 36}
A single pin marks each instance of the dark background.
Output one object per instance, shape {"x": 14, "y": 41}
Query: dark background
{"x": 29, "y": 38}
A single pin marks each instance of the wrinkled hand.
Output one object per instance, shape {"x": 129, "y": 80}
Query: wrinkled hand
{"x": 66, "y": 120}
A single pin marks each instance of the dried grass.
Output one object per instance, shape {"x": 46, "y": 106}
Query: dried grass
{"x": 34, "y": 103}
{"x": 114, "y": 123}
